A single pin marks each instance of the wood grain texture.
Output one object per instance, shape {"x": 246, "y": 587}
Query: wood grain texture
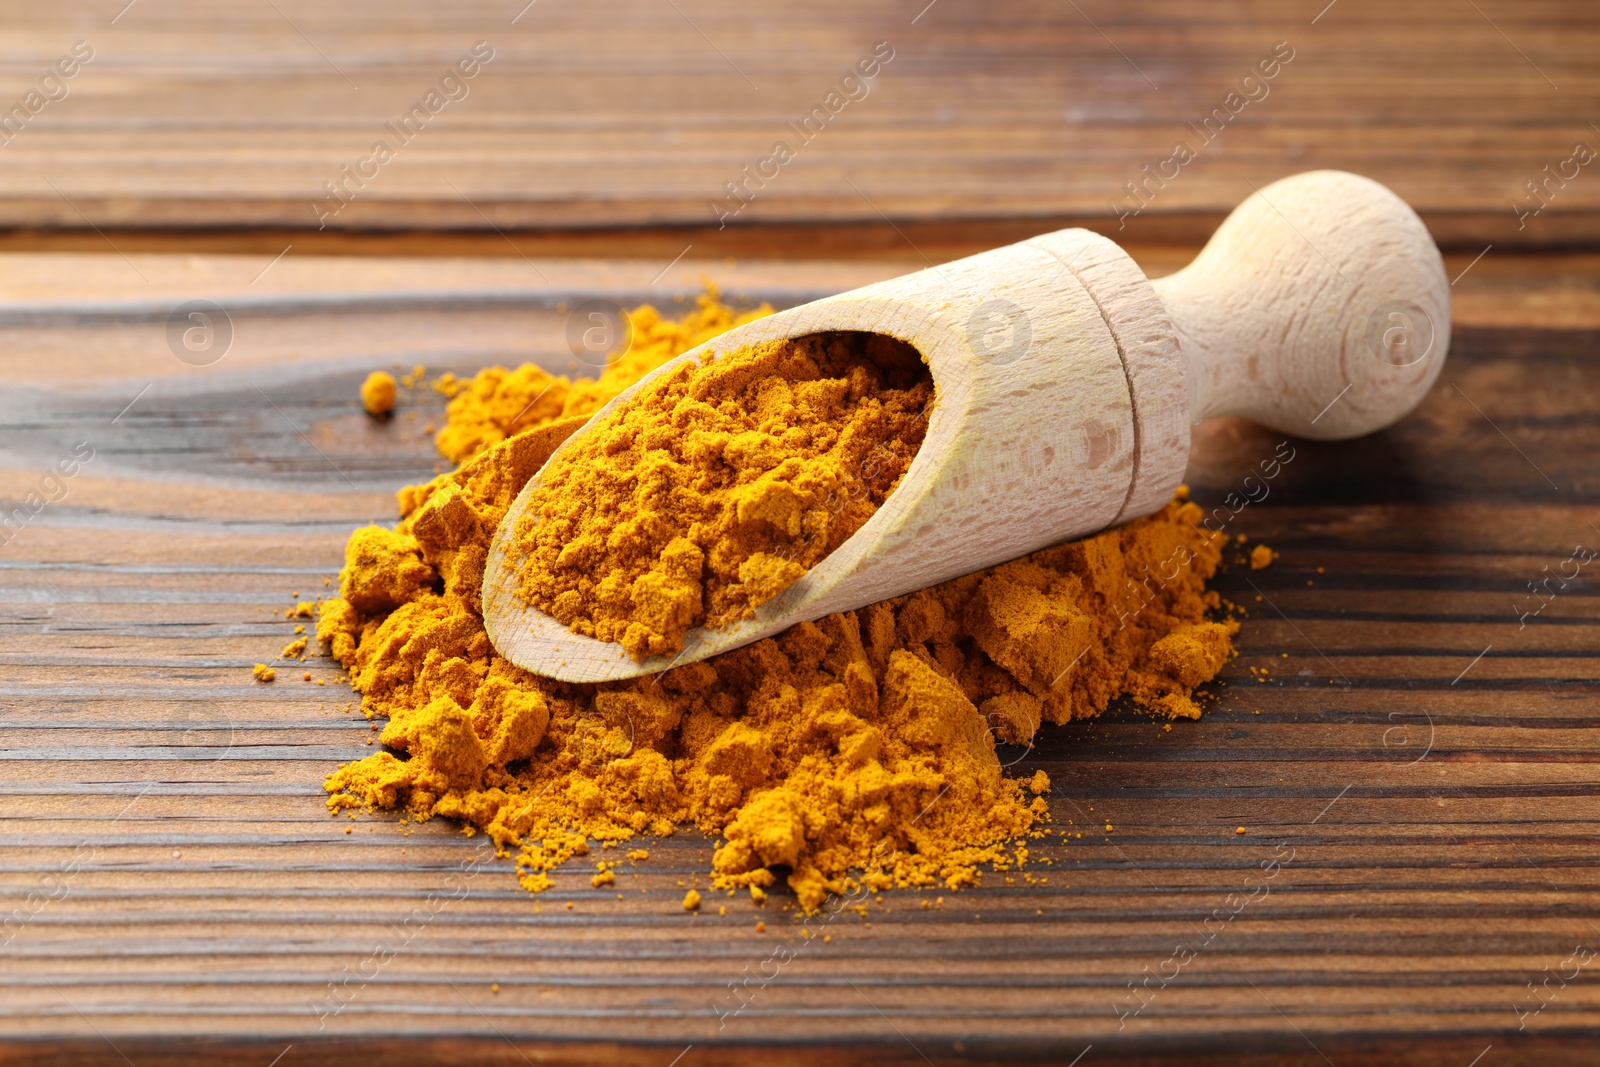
{"x": 1320, "y": 308}
{"x": 628, "y": 113}
{"x": 191, "y": 900}
{"x": 1148, "y": 347}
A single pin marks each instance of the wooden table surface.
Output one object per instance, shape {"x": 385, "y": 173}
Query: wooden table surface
{"x": 1419, "y": 761}
{"x": 637, "y": 112}
{"x": 1421, "y": 764}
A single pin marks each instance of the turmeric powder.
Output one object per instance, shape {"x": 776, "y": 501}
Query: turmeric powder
{"x": 720, "y": 484}
{"x": 855, "y": 750}
{"x": 377, "y": 393}
{"x": 496, "y": 402}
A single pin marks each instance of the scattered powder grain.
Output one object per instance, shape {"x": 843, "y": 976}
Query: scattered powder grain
{"x": 855, "y": 750}
{"x": 720, "y": 484}
{"x": 377, "y": 393}
{"x": 1261, "y": 557}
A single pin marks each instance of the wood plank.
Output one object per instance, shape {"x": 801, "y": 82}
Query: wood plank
{"x": 1442, "y": 811}
{"x": 626, "y": 113}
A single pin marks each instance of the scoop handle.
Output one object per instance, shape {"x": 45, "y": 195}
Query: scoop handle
{"x": 1319, "y": 308}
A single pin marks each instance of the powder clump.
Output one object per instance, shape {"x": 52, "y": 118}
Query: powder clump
{"x": 856, "y": 750}
{"x": 377, "y": 393}
{"x": 720, "y": 484}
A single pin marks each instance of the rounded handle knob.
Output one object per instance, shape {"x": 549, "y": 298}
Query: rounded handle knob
{"x": 1319, "y": 308}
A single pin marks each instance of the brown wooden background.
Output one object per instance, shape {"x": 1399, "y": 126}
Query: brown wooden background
{"x": 628, "y": 112}
{"x": 175, "y": 889}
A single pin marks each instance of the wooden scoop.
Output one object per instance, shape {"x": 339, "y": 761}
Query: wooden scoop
{"x": 1066, "y": 383}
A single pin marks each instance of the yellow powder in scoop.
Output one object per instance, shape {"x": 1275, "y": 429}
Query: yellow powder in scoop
{"x": 855, "y": 750}
{"x": 719, "y": 484}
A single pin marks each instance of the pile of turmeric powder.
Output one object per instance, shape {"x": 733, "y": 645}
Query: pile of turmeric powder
{"x": 855, "y": 750}
{"x": 496, "y": 402}
{"x": 719, "y": 485}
